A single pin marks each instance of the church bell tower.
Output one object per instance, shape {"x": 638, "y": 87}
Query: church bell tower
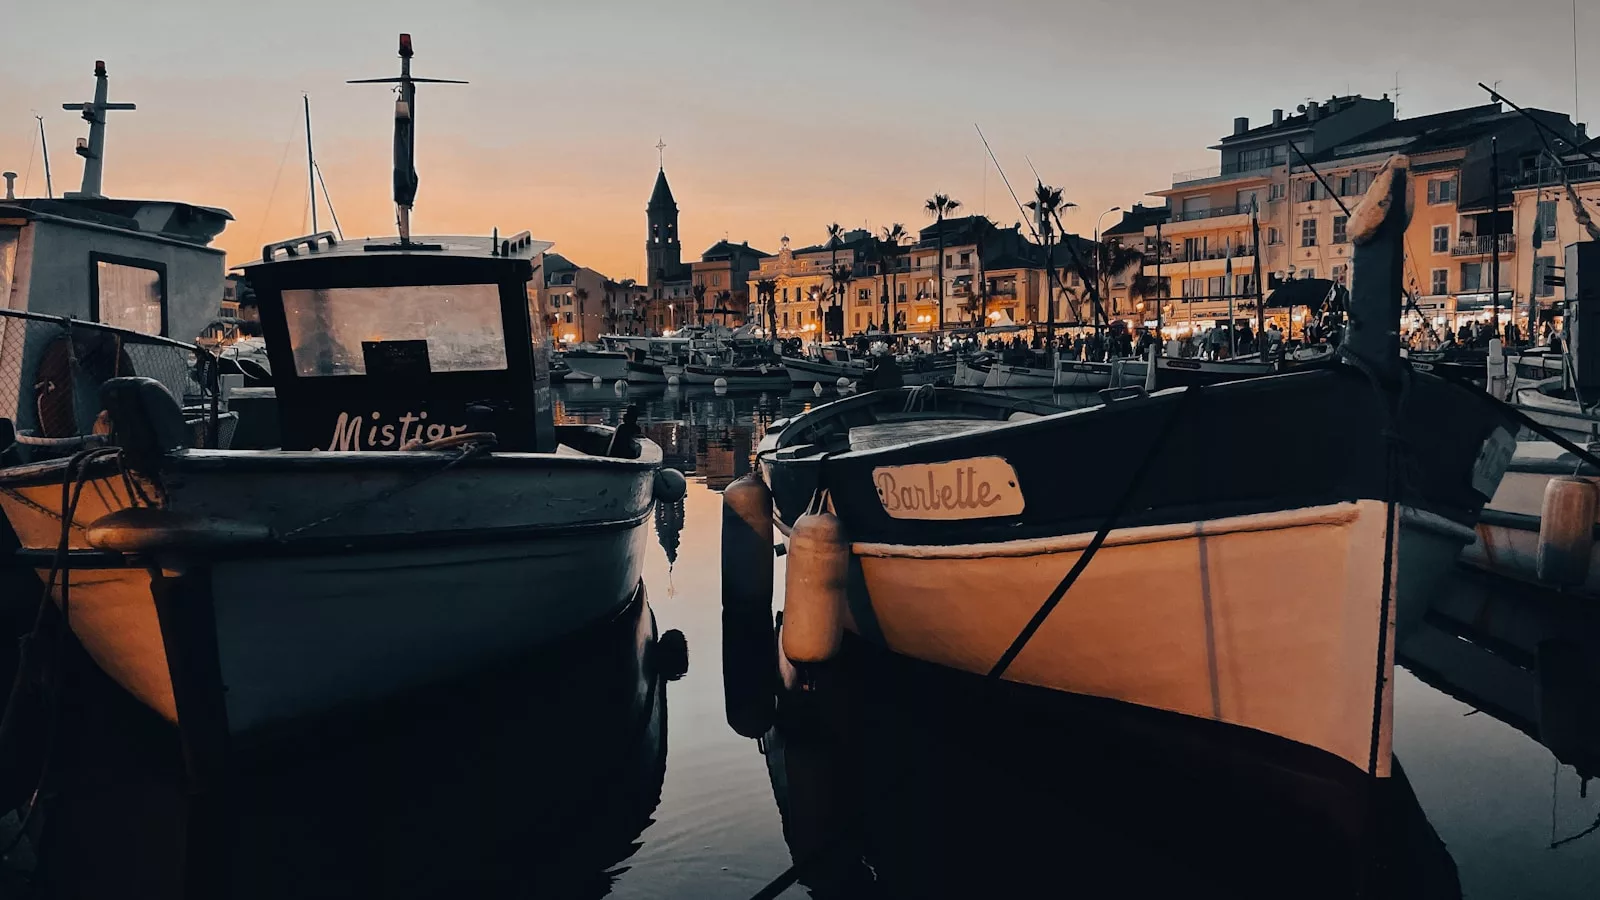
{"x": 663, "y": 255}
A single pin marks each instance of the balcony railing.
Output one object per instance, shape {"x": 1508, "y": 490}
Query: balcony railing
{"x": 1483, "y": 245}
{"x": 1195, "y": 215}
{"x": 1246, "y": 167}
{"x": 1551, "y": 175}
{"x": 1181, "y": 256}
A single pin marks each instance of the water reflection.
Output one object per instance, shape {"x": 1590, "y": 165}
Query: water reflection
{"x": 536, "y": 779}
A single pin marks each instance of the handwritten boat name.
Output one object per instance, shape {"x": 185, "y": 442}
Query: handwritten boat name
{"x": 983, "y": 487}
{"x": 359, "y": 433}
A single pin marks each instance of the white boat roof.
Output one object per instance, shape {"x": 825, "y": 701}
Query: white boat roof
{"x": 324, "y": 244}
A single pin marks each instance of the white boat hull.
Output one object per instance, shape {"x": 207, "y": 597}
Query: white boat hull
{"x": 1004, "y": 377}
{"x": 1072, "y": 375}
{"x": 417, "y": 587}
{"x": 604, "y": 366}
{"x": 970, "y": 376}
{"x": 807, "y": 371}
{"x": 1269, "y": 621}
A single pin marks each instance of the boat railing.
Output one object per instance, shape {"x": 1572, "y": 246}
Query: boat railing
{"x": 51, "y": 369}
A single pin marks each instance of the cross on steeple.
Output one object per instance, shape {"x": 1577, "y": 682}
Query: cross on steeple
{"x": 93, "y": 150}
{"x": 661, "y": 153}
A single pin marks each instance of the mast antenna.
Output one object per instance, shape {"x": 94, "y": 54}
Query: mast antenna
{"x": 405, "y": 135}
{"x": 93, "y": 150}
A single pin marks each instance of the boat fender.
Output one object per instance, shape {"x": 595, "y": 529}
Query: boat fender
{"x": 596, "y": 381}
{"x": 842, "y": 383}
{"x": 143, "y": 529}
{"x": 814, "y": 588}
{"x": 670, "y": 485}
{"x": 817, "y": 389}
{"x": 673, "y": 380}
{"x": 749, "y": 646}
{"x": 619, "y": 386}
{"x": 672, "y": 655}
{"x": 1566, "y": 531}
{"x": 720, "y": 384}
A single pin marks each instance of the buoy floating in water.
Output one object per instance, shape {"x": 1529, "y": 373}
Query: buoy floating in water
{"x": 814, "y": 588}
{"x": 670, "y": 485}
{"x": 597, "y": 381}
{"x": 673, "y": 380}
{"x": 620, "y": 386}
{"x": 720, "y": 384}
{"x": 842, "y": 383}
{"x": 1566, "y": 531}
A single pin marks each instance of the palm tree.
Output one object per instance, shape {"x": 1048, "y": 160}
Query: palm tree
{"x": 583, "y": 297}
{"x": 1111, "y": 259}
{"x": 982, "y": 228}
{"x": 940, "y": 206}
{"x": 893, "y": 236}
{"x": 1046, "y": 200}
{"x": 767, "y": 292}
{"x": 835, "y": 232}
{"x": 699, "y": 292}
{"x": 841, "y": 276}
{"x": 724, "y": 300}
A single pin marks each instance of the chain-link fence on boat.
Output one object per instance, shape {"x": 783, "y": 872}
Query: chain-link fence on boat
{"x": 51, "y": 370}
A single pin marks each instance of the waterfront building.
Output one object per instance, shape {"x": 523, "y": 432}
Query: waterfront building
{"x": 723, "y": 277}
{"x": 1542, "y": 205}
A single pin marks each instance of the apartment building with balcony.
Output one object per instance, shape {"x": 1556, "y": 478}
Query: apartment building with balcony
{"x": 805, "y": 286}
{"x": 1542, "y": 204}
{"x": 1130, "y": 233}
{"x": 723, "y": 272}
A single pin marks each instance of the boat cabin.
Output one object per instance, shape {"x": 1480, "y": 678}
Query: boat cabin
{"x": 384, "y": 345}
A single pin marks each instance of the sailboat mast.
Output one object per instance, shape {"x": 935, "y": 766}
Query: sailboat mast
{"x": 44, "y": 147}
{"x": 1255, "y": 247}
{"x": 311, "y": 165}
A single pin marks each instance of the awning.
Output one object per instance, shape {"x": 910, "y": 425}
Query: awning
{"x": 1468, "y": 302}
{"x": 1312, "y": 292}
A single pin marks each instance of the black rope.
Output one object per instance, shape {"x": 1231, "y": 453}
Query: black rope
{"x": 1099, "y": 538}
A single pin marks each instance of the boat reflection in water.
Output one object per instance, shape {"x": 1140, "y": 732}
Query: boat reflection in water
{"x": 897, "y": 778}
{"x": 535, "y": 779}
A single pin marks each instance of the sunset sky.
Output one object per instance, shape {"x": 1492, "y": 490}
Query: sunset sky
{"x": 778, "y": 117}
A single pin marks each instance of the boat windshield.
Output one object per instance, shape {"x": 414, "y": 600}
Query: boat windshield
{"x": 336, "y": 331}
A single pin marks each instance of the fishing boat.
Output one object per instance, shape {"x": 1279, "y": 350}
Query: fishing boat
{"x": 1032, "y": 372}
{"x": 589, "y": 361}
{"x": 972, "y": 371}
{"x": 424, "y": 517}
{"x": 1266, "y": 601}
{"x": 825, "y": 364}
{"x": 1172, "y": 371}
{"x": 732, "y": 370}
{"x": 1082, "y": 375}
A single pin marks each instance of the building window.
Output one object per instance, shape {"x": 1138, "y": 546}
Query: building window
{"x": 1274, "y": 236}
{"x": 1543, "y": 267}
{"x": 1355, "y": 184}
{"x": 1340, "y": 274}
{"x": 966, "y": 259}
{"x": 1275, "y": 192}
{"x": 569, "y": 318}
{"x": 786, "y": 296}
{"x": 1546, "y": 223}
{"x": 786, "y": 318}
{"x": 1244, "y": 285}
{"x": 1308, "y": 232}
{"x": 128, "y": 293}
{"x": 1338, "y": 230}
{"x": 716, "y": 280}
{"x": 1216, "y": 285}
{"x": 1441, "y": 282}
{"x": 864, "y": 294}
{"x": 1471, "y": 277}
{"x": 1193, "y": 287}
{"x": 1311, "y": 191}
{"x": 1441, "y": 190}
{"x": 949, "y": 259}
{"x": 1441, "y": 238}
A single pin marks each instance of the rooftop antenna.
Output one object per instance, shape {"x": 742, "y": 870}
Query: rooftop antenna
{"x": 49, "y": 189}
{"x": 1396, "y": 94}
{"x": 93, "y": 150}
{"x": 405, "y": 135}
{"x": 1575, "y": 116}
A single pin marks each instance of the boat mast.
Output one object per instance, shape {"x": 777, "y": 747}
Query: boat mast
{"x": 44, "y": 147}
{"x": 405, "y": 135}
{"x": 93, "y": 150}
{"x": 1261, "y": 306}
{"x": 311, "y": 165}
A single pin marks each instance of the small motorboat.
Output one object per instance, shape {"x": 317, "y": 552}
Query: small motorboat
{"x": 589, "y": 361}
{"x": 1266, "y": 601}
{"x": 972, "y": 371}
{"x": 1082, "y": 375}
{"x": 730, "y": 369}
{"x": 424, "y": 516}
{"x": 825, "y": 364}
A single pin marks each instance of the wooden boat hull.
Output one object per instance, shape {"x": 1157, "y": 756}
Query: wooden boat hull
{"x": 951, "y": 576}
{"x": 971, "y": 374}
{"x": 606, "y": 365}
{"x": 1192, "y": 618}
{"x": 414, "y": 587}
{"x": 1004, "y": 377}
{"x": 811, "y": 371}
{"x": 756, "y": 377}
{"x": 1507, "y": 539}
{"x": 1072, "y": 375}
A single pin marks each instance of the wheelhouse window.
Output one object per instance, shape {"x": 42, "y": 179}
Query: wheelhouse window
{"x": 331, "y": 330}
{"x": 130, "y": 293}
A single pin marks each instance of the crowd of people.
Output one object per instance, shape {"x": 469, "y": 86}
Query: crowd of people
{"x": 1478, "y": 335}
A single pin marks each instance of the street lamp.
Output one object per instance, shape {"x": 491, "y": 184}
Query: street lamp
{"x": 1099, "y": 256}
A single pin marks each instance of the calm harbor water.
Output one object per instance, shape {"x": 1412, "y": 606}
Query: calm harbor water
{"x": 581, "y": 775}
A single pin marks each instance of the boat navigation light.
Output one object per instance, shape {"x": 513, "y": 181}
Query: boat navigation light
{"x": 99, "y": 68}
{"x": 402, "y": 110}
{"x": 405, "y": 45}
